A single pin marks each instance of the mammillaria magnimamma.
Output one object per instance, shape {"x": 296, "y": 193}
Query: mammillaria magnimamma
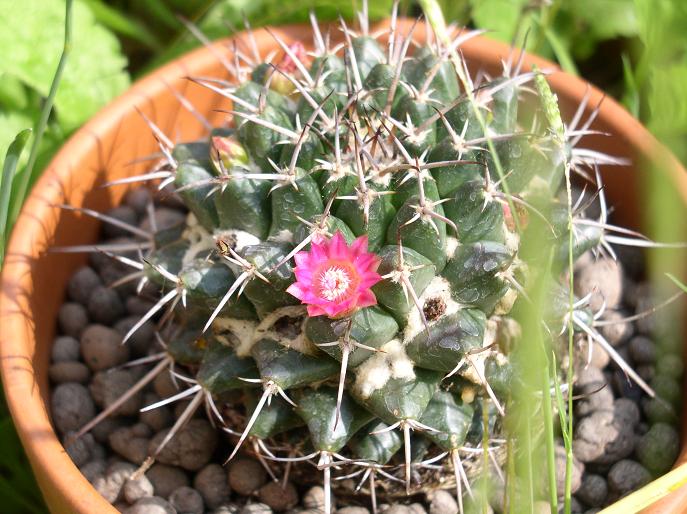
{"x": 345, "y": 281}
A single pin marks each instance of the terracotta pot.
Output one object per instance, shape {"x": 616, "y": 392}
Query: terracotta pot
{"x": 33, "y": 282}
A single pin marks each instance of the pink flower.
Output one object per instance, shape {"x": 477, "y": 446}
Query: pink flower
{"x": 334, "y": 279}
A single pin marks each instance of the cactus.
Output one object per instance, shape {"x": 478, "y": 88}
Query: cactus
{"x": 347, "y": 274}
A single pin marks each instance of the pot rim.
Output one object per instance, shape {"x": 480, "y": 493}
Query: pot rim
{"x": 63, "y": 485}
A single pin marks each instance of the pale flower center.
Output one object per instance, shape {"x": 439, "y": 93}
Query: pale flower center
{"x": 334, "y": 282}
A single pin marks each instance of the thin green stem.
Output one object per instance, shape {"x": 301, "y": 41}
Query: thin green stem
{"x": 509, "y": 490}
{"x": 485, "y": 455}
{"x": 548, "y": 428}
{"x": 571, "y": 342}
{"x": 26, "y": 178}
{"x": 548, "y": 15}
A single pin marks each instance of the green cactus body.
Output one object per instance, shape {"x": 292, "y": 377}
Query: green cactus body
{"x": 375, "y": 164}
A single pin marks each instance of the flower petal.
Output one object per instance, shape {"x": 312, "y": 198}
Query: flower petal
{"x": 366, "y": 299}
{"x": 315, "y": 310}
{"x": 359, "y": 246}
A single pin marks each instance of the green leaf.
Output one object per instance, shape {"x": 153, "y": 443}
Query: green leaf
{"x": 631, "y": 96}
{"x": 9, "y": 169}
{"x": 667, "y": 93}
{"x": 501, "y": 17}
{"x": 121, "y": 23}
{"x": 606, "y": 19}
{"x": 561, "y": 51}
{"x": 11, "y": 123}
{"x": 34, "y": 30}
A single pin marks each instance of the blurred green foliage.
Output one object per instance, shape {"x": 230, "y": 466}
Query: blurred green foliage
{"x": 634, "y": 49}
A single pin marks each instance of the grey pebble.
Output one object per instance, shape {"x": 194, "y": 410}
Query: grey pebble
{"x": 228, "y": 508}
{"x": 72, "y": 406}
{"x": 399, "y": 509}
{"x": 98, "y": 451}
{"x": 65, "y": 349}
{"x": 642, "y": 350}
{"x": 99, "y": 260}
{"x": 617, "y": 332}
{"x": 575, "y": 506}
{"x": 600, "y": 358}
{"x": 256, "y": 508}
{"x": 138, "y": 199}
{"x": 278, "y": 498}
{"x": 626, "y": 412}
{"x": 166, "y": 479}
{"x": 213, "y": 485}
{"x": 82, "y": 283}
{"x": 102, "y": 430}
{"x": 602, "y": 439}
{"x": 139, "y": 342}
{"x": 102, "y": 348}
{"x": 158, "y": 418}
{"x": 112, "y": 272}
{"x": 164, "y": 218}
{"x": 111, "y": 483}
{"x": 646, "y": 371}
{"x": 658, "y": 448}
{"x": 72, "y": 318}
{"x": 123, "y": 213}
{"x": 624, "y": 386}
{"x": 441, "y": 502}
{"x": 187, "y": 501}
{"x": 247, "y": 476}
{"x": 603, "y": 278}
{"x": 179, "y": 408}
{"x": 191, "y": 448}
{"x": 108, "y": 386}
{"x": 314, "y": 498}
{"x": 131, "y": 442}
{"x": 164, "y": 386}
{"x": 69, "y": 371}
{"x": 137, "y": 306}
{"x": 151, "y": 505}
{"x": 93, "y": 469}
{"x": 595, "y": 392}
{"x": 645, "y": 302}
{"x": 593, "y": 490}
{"x": 79, "y": 449}
{"x": 627, "y": 475}
{"x": 105, "y": 306}
{"x": 134, "y": 490}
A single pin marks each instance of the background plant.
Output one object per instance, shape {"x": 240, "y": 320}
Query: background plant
{"x": 634, "y": 49}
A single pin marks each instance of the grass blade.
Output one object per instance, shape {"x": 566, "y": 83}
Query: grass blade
{"x": 25, "y": 178}
{"x": 9, "y": 169}
{"x": 561, "y": 52}
{"x": 677, "y": 282}
{"x": 123, "y": 25}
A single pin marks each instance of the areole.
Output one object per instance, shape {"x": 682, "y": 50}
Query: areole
{"x": 33, "y": 282}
